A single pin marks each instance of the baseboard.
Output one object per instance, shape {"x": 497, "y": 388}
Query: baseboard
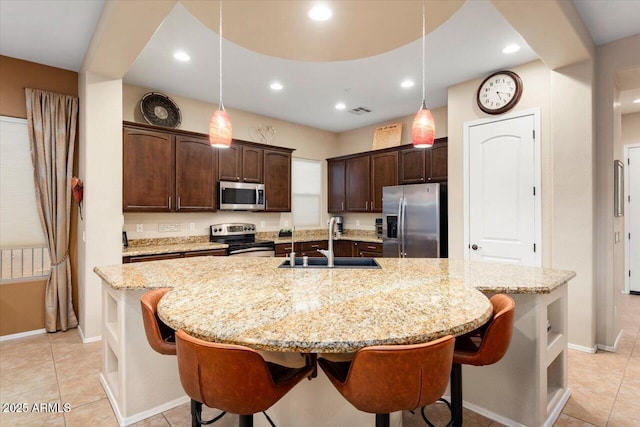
{"x": 126, "y": 421}
{"x": 554, "y": 414}
{"x": 615, "y": 344}
{"x": 22, "y": 335}
{"x": 90, "y": 339}
{"x": 492, "y": 415}
{"x": 583, "y": 349}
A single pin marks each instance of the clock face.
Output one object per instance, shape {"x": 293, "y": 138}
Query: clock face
{"x": 499, "y": 92}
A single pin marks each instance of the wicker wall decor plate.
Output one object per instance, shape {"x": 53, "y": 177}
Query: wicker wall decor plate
{"x": 160, "y": 110}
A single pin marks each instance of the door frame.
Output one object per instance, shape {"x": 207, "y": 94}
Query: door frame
{"x": 535, "y": 112}
{"x": 627, "y": 218}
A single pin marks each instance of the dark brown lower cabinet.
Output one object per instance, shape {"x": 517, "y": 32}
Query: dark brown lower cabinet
{"x": 158, "y": 257}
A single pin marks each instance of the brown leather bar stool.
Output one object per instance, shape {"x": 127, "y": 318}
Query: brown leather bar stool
{"x": 483, "y": 346}
{"x": 232, "y": 378}
{"x": 160, "y": 336}
{"x": 389, "y": 378}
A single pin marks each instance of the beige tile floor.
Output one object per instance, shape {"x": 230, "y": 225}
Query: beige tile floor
{"x": 58, "y": 368}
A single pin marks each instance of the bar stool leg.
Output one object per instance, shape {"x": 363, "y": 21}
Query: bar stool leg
{"x": 196, "y": 413}
{"x": 382, "y": 420}
{"x": 456, "y": 394}
{"x": 246, "y": 420}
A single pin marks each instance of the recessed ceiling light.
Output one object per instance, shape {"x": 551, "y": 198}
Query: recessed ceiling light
{"x": 276, "y": 86}
{"x": 320, "y": 13}
{"x": 511, "y": 48}
{"x": 182, "y": 56}
{"x": 636, "y": 101}
{"x": 407, "y": 83}
{"x": 340, "y": 106}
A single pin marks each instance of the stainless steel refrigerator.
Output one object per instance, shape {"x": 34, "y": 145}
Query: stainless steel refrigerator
{"x": 414, "y": 221}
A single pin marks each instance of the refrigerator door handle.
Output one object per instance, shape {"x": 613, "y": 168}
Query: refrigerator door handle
{"x": 404, "y": 227}
{"x": 399, "y": 228}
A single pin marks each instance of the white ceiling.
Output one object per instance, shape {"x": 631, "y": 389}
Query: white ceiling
{"x": 57, "y": 33}
{"x": 609, "y": 20}
{"x": 456, "y": 51}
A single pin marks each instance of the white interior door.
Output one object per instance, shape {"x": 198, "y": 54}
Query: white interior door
{"x": 502, "y": 178}
{"x": 633, "y": 214}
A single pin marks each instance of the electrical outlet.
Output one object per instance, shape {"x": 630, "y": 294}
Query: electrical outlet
{"x": 192, "y": 226}
{"x": 286, "y": 223}
{"x": 169, "y": 227}
{"x": 262, "y": 223}
{"x": 139, "y": 228}
{"x": 357, "y": 222}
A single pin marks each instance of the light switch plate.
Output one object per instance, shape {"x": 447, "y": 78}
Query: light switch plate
{"x": 163, "y": 228}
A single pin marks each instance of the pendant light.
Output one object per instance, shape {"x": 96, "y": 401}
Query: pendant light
{"x": 220, "y": 125}
{"x": 423, "y": 129}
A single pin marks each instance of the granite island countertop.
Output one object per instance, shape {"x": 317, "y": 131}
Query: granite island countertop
{"x": 251, "y": 301}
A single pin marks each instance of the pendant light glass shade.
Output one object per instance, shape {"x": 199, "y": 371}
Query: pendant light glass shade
{"x": 220, "y": 129}
{"x": 423, "y": 130}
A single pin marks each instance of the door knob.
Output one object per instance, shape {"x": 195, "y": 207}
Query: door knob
{"x": 475, "y": 247}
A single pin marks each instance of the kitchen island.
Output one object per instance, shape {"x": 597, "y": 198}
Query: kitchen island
{"x": 252, "y": 302}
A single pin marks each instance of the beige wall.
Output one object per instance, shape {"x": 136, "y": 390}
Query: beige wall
{"x": 462, "y": 108}
{"x": 631, "y": 128}
{"x": 23, "y": 303}
{"x": 611, "y": 58}
{"x": 566, "y": 167}
{"x": 572, "y": 221}
{"x": 309, "y": 143}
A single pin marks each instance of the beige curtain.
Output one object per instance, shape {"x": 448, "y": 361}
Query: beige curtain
{"x": 51, "y": 123}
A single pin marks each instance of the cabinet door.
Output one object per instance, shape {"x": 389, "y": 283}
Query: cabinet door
{"x": 212, "y": 252}
{"x": 412, "y": 164}
{"x": 277, "y": 181}
{"x": 439, "y": 158}
{"x": 159, "y": 257}
{"x": 357, "y": 184}
{"x": 251, "y": 170}
{"x": 342, "y": 248}
{"x": 229, "y": 163}
{"x": 336, "y": 187}
{"x": 147, "y": 171}
{"x": 310, "y": 249}
{"x": 384, "y": 172}
{"x": 369, "y": 250}
{"x": 196, "y": 164}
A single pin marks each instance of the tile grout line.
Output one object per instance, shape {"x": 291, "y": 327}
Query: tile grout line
{"x": 55, "y": 369}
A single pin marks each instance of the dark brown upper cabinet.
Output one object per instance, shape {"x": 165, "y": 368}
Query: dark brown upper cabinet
{"x": 419, "y": 165}
{"x": 336, "y": 188}
{"x": 196, "y": 163}
{"x": 240, "y": 163}
{"x": 167, "y": 172}
{"x": 148, "y": 167}
{"x": 384, "y": 173}
{"x": 277, "y": 180}
{"x": 357, "y": 184}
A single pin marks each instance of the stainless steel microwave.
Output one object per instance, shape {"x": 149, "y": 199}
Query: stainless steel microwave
{"x": 240, "y": 196}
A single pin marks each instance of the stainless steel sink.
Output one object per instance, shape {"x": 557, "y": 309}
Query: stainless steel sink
{"x": 338, "y": 263}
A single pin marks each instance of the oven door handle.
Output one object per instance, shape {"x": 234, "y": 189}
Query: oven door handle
{"x": 245, "y": 250}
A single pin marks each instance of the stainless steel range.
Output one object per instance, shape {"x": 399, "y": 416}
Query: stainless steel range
{"x": 241, "y": 239}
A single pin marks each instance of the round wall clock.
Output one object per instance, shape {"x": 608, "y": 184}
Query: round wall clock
{"x": 499, "y": 92}
{"x": 160, "y": 110}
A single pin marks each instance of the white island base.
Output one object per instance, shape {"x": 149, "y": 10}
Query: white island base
{"x": 528, "y": 387}
{"x": 141, "y": 383}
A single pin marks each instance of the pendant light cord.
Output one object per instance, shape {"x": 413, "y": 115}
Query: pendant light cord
{"x": 423, "y": 55}
{"x": 220, "y": 61}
